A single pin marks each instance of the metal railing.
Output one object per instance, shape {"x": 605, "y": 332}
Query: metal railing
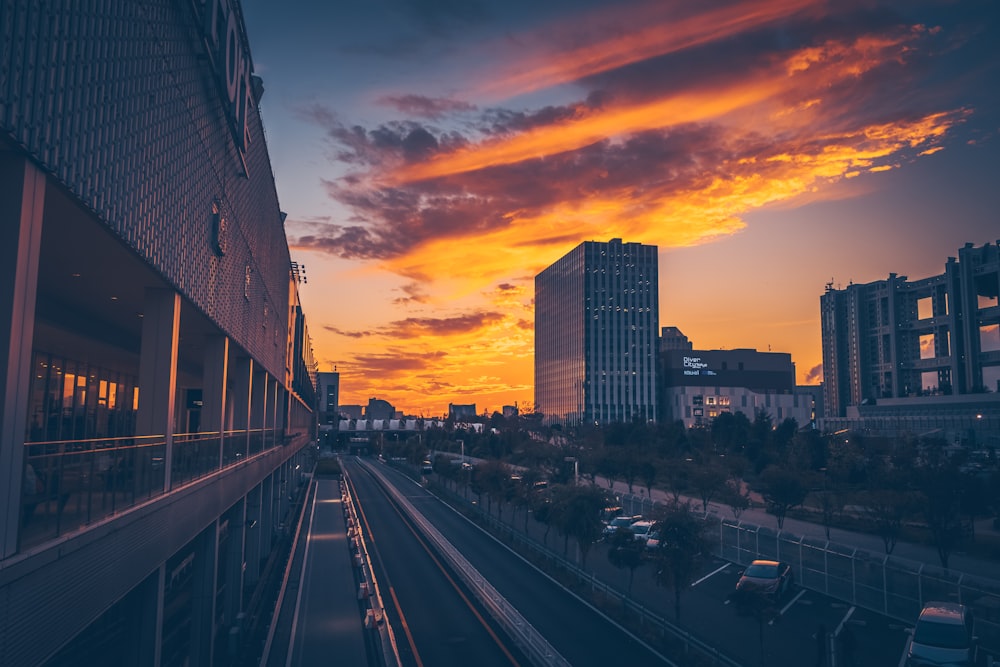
{"x": 68, "y": 484}
{"x": 889, "y": 585}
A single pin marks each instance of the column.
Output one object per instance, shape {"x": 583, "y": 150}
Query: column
{"x": 252, "y": 547}
{"x": 204, "y": 584}
{"x": 234, "y": 555}
{"x": 22, "y": 204}
{"x": 145, "y": 619}
{"x": 214, "y": 384}
{"x": 242, "y": 384}
{"x": 157, "y": 385}
{"x": 258, "y": 399}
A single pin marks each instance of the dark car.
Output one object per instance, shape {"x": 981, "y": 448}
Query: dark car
{"x": 770, "y": 577}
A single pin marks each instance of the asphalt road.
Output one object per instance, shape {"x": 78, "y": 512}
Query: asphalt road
{"x": 576, "y": 630}
{"x": 435, "y": 619}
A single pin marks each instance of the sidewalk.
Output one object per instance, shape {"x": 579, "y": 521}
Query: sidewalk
{"x": 920, "y": 553}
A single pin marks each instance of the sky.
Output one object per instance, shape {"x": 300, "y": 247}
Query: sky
{"x": 433, "y": 156}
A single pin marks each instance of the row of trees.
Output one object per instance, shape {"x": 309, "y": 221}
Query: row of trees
{"x": 886, "y": 486}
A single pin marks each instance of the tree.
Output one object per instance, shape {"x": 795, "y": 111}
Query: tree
{"x": 736, "y": 496}
{"x": 886, "y": 508}
{"x": 941, "y": 489}
{"x": 707, "y": 481}
{"x": 626, "y": 552}
{"x": 577, "y": 514}
{"x": 685, "y": 543}
{"x": 782, "y": 490}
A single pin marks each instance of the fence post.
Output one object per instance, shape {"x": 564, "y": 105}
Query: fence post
{"x": 854, "y": 578}
{"x": 885, "y": 586}
{"x": 826, "y": 567}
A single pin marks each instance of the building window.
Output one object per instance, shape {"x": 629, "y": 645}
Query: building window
{"x": 989, "y": 337}
{"x": 927, "y": 346}
{"x": 925, "y": 308}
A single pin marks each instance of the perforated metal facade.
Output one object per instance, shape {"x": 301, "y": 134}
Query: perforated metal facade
{"x": 123, "y": 103}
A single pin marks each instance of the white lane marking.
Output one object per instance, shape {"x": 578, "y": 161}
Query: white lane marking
{"x": 787, "y": 606}
{"x": 840, "y": 626}
{"x": 710, "y": 574}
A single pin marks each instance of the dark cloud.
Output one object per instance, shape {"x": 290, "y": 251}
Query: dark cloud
{"x": 390, "y": 220}
{"x": 432, "y": 108}
{"x": 428, "y": 326}
{"x": 349, "y": 334}
{"x": 414, "y": 294}
{"x": 507, "y": 287}
{"x": 395, "y": 362}
{"x": 815, "y": 374}
{"x": 441, "y": 326}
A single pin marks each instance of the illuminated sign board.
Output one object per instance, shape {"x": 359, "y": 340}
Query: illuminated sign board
{"x": 225, "y": 40}
{"x": 695, "y": 366}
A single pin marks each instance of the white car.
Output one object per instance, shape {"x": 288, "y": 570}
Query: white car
{"x": 618, "y": 522}
{"x": 641, "y": 530}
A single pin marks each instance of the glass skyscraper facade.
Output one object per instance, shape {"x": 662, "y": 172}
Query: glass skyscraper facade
{"x": 596, "y": 325}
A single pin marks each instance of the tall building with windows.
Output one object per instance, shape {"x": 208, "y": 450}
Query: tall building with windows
{"x": 596, "y": 324}
{"x": 902, "y": 351}
{"x": 157, "y": 384}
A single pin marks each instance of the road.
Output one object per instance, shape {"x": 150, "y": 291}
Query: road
{"x": 579, "y": 633}
{"x": 435, "y": 617}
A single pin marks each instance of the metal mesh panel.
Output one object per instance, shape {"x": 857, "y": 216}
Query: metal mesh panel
{"x": 118, "y": 101}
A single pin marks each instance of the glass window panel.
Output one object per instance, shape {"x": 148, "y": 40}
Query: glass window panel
{"x": 927, "y": 346}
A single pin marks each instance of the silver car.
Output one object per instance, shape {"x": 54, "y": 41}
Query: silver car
{"x": 943, "y": 636}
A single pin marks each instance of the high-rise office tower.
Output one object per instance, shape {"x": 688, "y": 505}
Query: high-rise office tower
{"x": 596, "y": 324}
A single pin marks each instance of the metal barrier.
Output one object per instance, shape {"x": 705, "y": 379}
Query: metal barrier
{"x": 68, "y": 484}
{"x": 892, "y": 586}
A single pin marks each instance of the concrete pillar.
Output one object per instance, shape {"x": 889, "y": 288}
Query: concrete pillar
{"x": 252, "y": 537}
{"x": 22, "y": 205}
{"x": 258, "y": 399}
{"x": 204, "y": 584}
{"x": 241, "y": 372}
{"x": 158, "y": 380}
{"x": 145, "y": 619}
{"x": 214, "y": 385}
{"x": 234, "y": 555}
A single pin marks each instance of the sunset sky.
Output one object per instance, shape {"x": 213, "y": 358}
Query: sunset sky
{"x": 434, "y": 155}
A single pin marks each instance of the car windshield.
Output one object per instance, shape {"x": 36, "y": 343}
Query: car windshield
{"x": 761, "y": 571}
{"x": 621, "y": 521}
{"x": 641, "y": 529}
{"x": 941, "y": 635}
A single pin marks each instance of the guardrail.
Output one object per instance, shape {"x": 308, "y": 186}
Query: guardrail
{"x": 68, "y": 484}
{"x": 525, "y": 636}
{"x": 375, "y": 615}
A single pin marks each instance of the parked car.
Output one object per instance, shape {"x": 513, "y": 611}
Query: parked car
{"x": 770, "y": 577}
{"x": 619, "y": 522}
{"x": 653, "y": 540}
{"x": 641, "y": 530}
{"x": 943, "y": 636}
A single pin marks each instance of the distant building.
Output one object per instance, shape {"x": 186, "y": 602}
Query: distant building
{"x": 699, "y": 385}
{"x": 889, "y": 342}
{"x": 460, "y": 411}
{"x": 351, "y": 411}
{"x": 596, "y": 319}
{"x": 671, "y": 338}
{"x": 379, "y": 409}
{"x": 509, "y": 411}
{"x": 329, "y": 395}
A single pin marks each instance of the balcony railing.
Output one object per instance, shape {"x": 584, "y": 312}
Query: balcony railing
{"x": 69, "y": 484}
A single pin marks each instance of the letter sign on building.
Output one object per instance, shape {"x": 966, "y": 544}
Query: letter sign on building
{"x": 225, "y": 41}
